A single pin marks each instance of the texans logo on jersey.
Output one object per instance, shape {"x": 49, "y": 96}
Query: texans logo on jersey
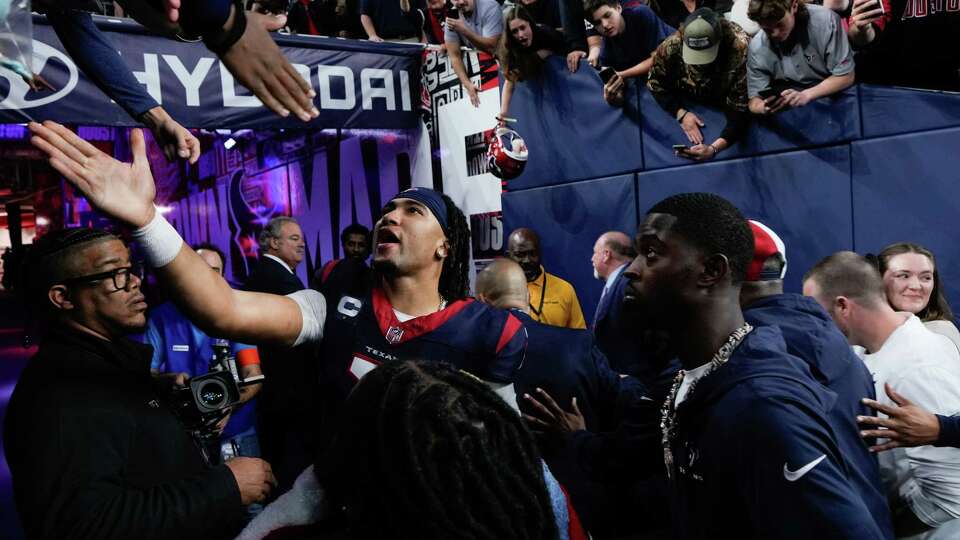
{"x": 394, "y": 335}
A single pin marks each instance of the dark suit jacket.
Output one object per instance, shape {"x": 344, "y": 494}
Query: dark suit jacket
{"x": 618, "y": 342}
{"x": 271, "y": 277}
{"x": 290, "y": 376}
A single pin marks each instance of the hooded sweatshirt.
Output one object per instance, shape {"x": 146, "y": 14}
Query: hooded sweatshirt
{"x": 756, "y": 455}
{"x": 811, "y": 335}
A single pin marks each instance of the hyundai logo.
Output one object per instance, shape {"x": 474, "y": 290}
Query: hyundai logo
{"x": 20, "y": 96}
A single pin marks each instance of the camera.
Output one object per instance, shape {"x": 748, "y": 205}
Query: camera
{"x": 208, "y": 398}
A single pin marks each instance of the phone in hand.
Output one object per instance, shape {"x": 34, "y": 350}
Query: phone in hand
{"x": 453, "y": 13}
{"x": 768, "y": 93}
{"x": 606, "y": 74}
{"x": 679, "y": 147}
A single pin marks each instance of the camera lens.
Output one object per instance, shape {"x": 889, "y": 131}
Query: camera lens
{"x": 212, "y": 395}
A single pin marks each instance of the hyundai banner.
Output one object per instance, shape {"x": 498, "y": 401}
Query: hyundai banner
{"x": 358, "y": 84}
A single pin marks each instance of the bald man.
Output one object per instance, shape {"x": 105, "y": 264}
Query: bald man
{"x": 589, "y": 457}
{"x": 612, "y": 252}
{"x": 553, "y": 300}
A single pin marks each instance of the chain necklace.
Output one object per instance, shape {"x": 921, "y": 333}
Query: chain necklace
{"x": 668, "y": 419}
{"x": 443, "y": 303}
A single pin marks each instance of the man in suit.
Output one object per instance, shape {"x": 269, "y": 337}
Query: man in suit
{"x": 282, "y": 246}
{"x": 595, "y": 456}
{"x": 612, "y": 252}
{"x": 287, "y": 401}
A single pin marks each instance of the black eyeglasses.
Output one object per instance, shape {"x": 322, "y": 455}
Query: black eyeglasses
{"x": 120, "y": 276}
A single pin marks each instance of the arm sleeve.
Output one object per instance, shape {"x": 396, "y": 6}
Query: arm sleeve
{"x": 791, "y": 476}
{"x": 153, "y": 338}
{"x": 758, "y": 75}
{"x": 449, "y": 36}
{"x": 199, "y": 16}
{"x": 576, "y": 319}
{"x": 313, "y": 312}
{"x": 659, "y": 78}
{"x": 837, "y": 51}
{"x": 98, "y": 58}
{"x": 365, "y": 7}
{"x": 949, "y": 431}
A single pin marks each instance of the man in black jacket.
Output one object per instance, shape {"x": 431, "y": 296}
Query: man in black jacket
{"x": 286, "y": 409}
{"x": 93, "y": 449}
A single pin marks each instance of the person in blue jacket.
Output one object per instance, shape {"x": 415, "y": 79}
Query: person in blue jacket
{"x": 747, "y": 439}
{"x": 584, "y": 446}
{"x": 811, "y": 335}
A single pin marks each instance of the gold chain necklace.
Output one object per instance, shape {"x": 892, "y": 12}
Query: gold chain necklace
{"x": 668, "y": 419}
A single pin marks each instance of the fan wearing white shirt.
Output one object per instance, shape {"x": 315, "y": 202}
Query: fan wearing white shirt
{"x": 923, "y": 482}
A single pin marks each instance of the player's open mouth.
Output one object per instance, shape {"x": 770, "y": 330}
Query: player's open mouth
{"x": 386, "y": 237}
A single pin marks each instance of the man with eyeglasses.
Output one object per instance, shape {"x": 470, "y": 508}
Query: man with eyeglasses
{"x": 92, "y": 447}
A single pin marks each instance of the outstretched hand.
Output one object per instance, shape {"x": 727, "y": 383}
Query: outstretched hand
{"x": 124, "y": 191}
{"x": 550, "y": 417}
{"x": 907, "y": 424}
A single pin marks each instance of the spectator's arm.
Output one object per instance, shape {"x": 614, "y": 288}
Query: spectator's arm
{"x": 98, "y": 58}
{"x": 248, "y": 365}
{"x": 505, "y": 98}
{"x": 456, "y": 60}
{"x": 367, "y": 24}
{"x": 639, "y": 70}
{"x": 659, "y": 81}
{"x": 758, "y": 77}
{"x": 484, "y": 43}
{"x": 829, "y": 86}
{"x": 736, "y": 128}
{"x": 949, "y": 431}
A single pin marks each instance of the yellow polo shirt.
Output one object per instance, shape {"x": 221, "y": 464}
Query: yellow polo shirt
{"x": 559, "y": 307}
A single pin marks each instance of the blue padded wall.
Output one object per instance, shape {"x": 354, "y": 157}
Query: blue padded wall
{"x": 569, "y": 219}
{"x": 889, "y": 111}
{"x": 825, "y": 121}
{"x": 562, "y": 117}
{"x": 804, "y": 196}
{"x": 906, "y": 189}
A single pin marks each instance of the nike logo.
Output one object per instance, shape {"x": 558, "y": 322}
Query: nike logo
{"x": 793, "y": 476}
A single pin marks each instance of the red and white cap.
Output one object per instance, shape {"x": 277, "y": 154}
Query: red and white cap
{"x": 766, "y": 244}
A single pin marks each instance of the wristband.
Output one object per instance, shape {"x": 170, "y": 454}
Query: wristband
{"x": 680, "y": 120}
{"x": 161, "y": 242}
{"x": 221, "y": 42}
{"x": 313, "y": 312}
{"x": 248, "y": 357}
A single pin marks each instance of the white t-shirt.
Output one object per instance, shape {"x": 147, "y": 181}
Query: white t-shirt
{"x": 924, "y": 367}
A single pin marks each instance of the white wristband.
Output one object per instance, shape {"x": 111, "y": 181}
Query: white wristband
{"x": 161, "y": 242}
{"x": 313, "y": 312}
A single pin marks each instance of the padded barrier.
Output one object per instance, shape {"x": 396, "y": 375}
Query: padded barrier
{"x": 905, "y": 189}
{"x": 849, "y": 189}
{"x": 890, "y": 111}
{"x": 562, "y": 116}
{"x": 569, "y": 219}
{"x": 804, "y": 196}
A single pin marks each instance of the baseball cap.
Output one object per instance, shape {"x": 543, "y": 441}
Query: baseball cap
{"x": 766, "y": 244}
{"x": 701, "y": 37}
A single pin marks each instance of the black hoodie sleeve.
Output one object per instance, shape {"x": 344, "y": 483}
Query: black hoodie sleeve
{"x": 574, "y": 31}
{"x": 949, "y": 431}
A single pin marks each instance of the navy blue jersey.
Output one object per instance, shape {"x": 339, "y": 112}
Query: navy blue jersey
{"x": 756, "y": 456}
{"x": 361, "y": 333}
{"x": 811, "y": 335}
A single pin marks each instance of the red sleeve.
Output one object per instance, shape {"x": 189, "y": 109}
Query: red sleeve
{"x": 327, "y": 268}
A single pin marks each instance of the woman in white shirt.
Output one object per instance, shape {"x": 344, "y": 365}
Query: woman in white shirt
{"x": 912, "y": 283}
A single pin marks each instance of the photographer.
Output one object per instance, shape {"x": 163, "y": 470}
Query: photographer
{"x": 93, "y": 449}
{"x": 181, "y": 349}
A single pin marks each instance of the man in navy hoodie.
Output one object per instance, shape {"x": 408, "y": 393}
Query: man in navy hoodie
{"x": 811, "y": 335}
{"x": 747, "y": 438}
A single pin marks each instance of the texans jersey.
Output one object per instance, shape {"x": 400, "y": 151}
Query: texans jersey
{"x": 362, "y": 333}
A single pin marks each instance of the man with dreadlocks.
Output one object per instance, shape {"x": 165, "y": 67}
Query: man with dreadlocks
{"x": 424, "y": 452}
{"x": 93, "y": 448}
{"x": 417, "y": 309}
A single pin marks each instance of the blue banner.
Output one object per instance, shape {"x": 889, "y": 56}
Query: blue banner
{"x": 358, "y": 84}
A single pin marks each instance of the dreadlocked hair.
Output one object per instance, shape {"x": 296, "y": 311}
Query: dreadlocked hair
{"x": 52, "y": 259}
{"x": 427, "y": 452}
{"x": 455, "y": 275}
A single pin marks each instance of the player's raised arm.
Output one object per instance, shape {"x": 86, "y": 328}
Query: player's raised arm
{"x": 126, "y": 191}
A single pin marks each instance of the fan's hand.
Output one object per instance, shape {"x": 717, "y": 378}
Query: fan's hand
{"x": 124, "y": 191}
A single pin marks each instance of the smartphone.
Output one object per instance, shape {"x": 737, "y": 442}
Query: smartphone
{"x": 768, "y": 93}
{"x": 453, "y": 13}
{"x": 679, "y": 147}
{"x": 606, "y": 74}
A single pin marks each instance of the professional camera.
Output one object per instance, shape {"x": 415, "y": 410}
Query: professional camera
{"x": 208, "y": 398}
